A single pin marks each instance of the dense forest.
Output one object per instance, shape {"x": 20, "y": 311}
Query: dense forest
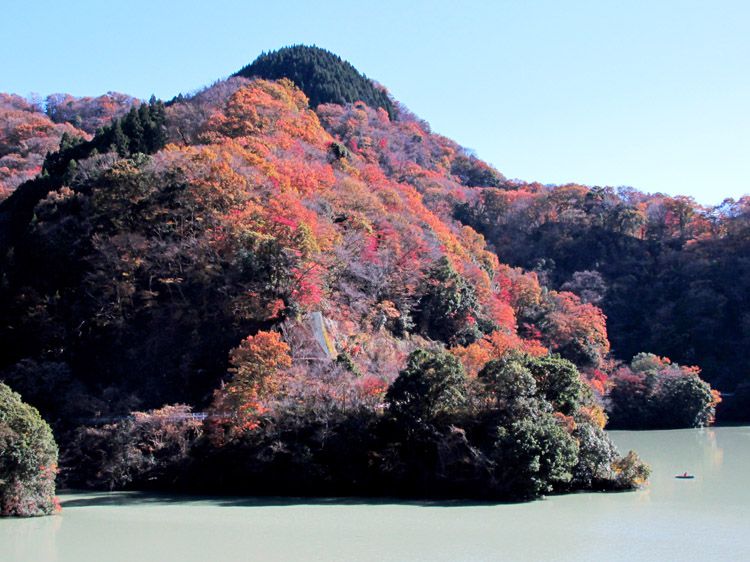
{"x": 672, "y": 276}
{"x": 276, "y": 285}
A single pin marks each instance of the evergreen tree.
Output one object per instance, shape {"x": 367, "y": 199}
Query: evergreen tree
{"x": 120, "y": 142}
{"x": 133, "y": 129}
{"x": 28, "y": 458}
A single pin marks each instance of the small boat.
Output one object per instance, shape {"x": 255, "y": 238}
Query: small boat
{"x": 685, "y": 476}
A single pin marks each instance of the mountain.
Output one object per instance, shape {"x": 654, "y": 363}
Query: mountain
{"x": 303, "y": 273}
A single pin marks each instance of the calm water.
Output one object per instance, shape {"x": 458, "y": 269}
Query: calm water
{"x": 703, "y": 519}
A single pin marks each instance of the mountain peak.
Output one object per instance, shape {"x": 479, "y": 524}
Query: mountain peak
{"x": 322, "y": 75}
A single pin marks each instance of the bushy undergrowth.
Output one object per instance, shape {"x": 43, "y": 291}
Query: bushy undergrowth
{"x": 522, "y": 428}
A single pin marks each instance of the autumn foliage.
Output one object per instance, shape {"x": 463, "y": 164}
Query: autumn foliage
{"x": 303, "y": 274}
{"x": 667, "y": 272}
{"x": 255, "y": 370}
{"x": 654, "y": 392}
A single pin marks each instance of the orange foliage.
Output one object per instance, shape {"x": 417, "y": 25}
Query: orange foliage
{"x": 306, "y": 178}
{"x": 275, "y": 109}
{"x": 269, "y": 172}
{"x": 595, "y": 414}
{"x": 255, "y": 367}
{"x": 567, "y": 422}
{"x": 574, "y": 323}
{"x": 493, "y": 346}
{"x": 715, "y": 401}
{"x": 26, "y": 136}
{"x": 374, "y": 387}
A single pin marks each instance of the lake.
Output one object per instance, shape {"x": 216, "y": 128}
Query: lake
{"x": 707, "y": 518}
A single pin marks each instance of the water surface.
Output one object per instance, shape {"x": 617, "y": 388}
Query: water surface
{"x": 703, "y": 519}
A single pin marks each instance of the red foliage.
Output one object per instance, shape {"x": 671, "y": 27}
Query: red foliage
{"x": 26, "y": 136}
{"x": 255, "y": 368}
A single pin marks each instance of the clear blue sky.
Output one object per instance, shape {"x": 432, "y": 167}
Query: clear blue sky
{"x": 652, "y": 94}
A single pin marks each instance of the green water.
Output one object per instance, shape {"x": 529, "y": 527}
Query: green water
{"x": 703, "y": 519}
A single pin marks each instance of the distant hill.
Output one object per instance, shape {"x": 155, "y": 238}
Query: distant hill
{"x": 323, "y": 76}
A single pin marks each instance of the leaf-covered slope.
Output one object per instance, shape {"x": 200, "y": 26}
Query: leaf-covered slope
{"x": 298, "y": 273}
{"x": 29, "y": 130}
{"x": 151, "y": 251}
{"x": 27, "y": 134}
{"x": 322, "y": 75}
{"x": 140, "y": 273}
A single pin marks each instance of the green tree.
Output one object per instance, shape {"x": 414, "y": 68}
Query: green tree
{"x": 120, "y": 142}
{"x": 533, "y": 455}
{"x": 432, "y": 385}
{"x": 28, "y": 458}
{"x": 686, "y": 401}
{"x": 507, "y": 381}
{"x": 154, "y": 134}
{"x": 558, "y": 381}
{"x": 448, "y": 309}
{"x": 595, "y": 457}
{"x": 133, "y": 129}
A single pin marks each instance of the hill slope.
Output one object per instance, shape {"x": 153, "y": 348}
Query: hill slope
{"x": 296, "y": 273}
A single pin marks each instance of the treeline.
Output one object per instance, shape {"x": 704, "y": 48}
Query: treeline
{"x": 140, "y": 130}
{"x": 88, "y": 113}
{"x": 27, "y": 134}
{"x": 30, "y": 129}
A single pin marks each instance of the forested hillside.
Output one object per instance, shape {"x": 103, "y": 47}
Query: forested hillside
{"x": 672, "y": 276}
{"x": 292, "y": 268}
